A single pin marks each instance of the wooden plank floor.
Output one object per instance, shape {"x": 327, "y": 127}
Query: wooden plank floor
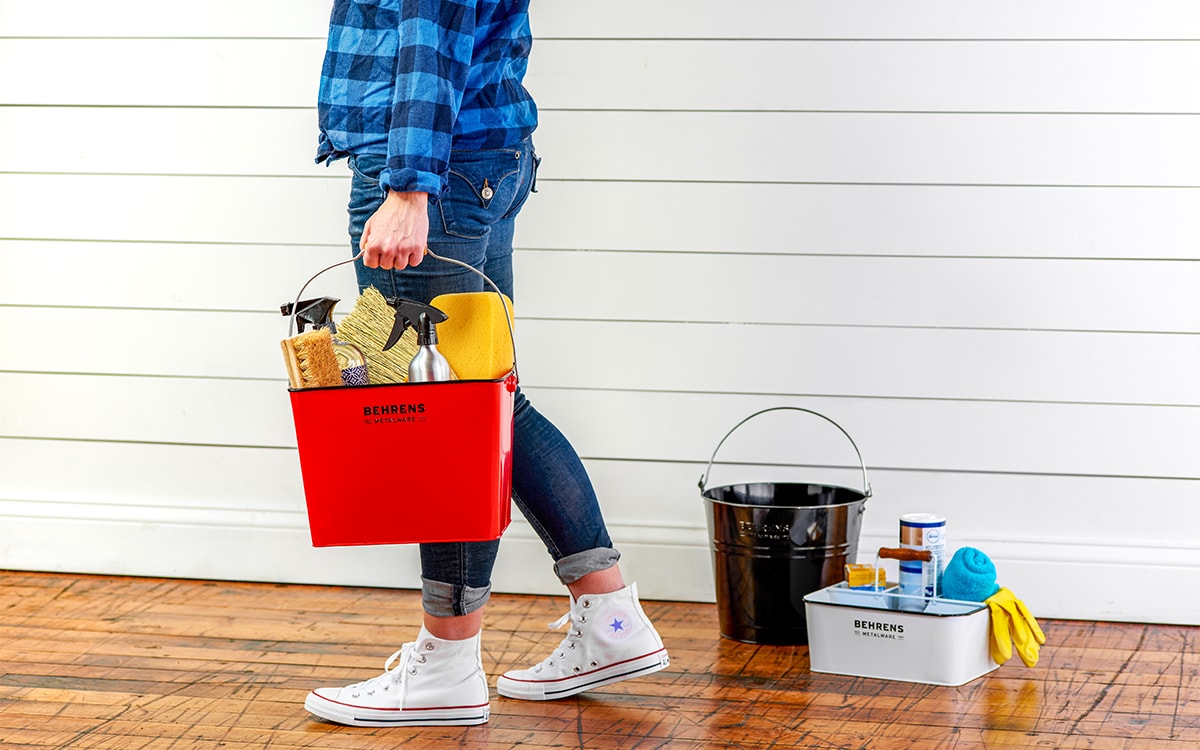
{"x": 133, "y": 663}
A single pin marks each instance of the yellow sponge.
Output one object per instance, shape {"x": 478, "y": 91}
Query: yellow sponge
{"x": 475, "y": 337}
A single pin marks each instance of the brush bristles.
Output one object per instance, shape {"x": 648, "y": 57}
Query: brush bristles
{"x": 315, "y": 363}
{"x": 368, "y": 326}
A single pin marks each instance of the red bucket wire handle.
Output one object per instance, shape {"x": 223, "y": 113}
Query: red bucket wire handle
{"x": 507, "y": 315}
{"x": 861, "y": 463}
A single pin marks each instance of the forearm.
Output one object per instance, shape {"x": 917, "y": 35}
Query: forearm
{"x": 396, "y": 234}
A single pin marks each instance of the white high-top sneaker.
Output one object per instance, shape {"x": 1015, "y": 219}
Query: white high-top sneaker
{"x": 433, "y": 683}
{"x": 610, "y": 640}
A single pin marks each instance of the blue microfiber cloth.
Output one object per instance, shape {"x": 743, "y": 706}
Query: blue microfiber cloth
{"x": 970, "y": 576}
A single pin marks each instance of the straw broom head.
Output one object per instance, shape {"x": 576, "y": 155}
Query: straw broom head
{"x": 368, "y": 326}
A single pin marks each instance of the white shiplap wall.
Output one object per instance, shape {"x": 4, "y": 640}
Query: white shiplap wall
{"x": 969, "y": 234}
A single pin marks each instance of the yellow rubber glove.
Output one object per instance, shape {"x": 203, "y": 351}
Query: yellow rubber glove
{"x": 1013, "y": 623}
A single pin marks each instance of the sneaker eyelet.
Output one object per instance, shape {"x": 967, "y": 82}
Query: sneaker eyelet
{"x": 412, "y": 670}
{"x": 587, "y": 603}
{"x": 571, "y": 647}
{"x": 577, "y": 670}
{"x": 582, "y": 618}
{"x": 428, "y": 646}
{"x": 594, "y": 664}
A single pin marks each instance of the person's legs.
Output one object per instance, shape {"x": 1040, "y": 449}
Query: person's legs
{"x": 474, "y": 224}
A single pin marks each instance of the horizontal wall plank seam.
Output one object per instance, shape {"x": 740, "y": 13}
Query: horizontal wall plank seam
{"x": 118, "y": 441}
{"x": 882, "y": 468}
{"x": 873, "y": 40}
{"x": 268, "y": 243}
{"x": 760, "y": 254}
{"x": 862, "y": 397}
{"x": 639, "y": 321}
{"x": 678, "y": 462}
{"x": 157, "y": 376}
{"x": 621, "y": 251}
{"x": 781, "y": 111}
{"x": 659, "y": 391}
{"x": 647, "y": 181}
{"x": 855, "y": 326}
{"x": 1080, "y": 113}
{"x": 1015, "y": 185}
{"x": 644, "y": 181}
{"x": 185, "y": 107}
{"x": 658, "y": 39}
{"x": 173, "y": 38}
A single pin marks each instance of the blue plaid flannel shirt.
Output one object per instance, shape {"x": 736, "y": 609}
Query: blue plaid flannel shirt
{"x": 413, "y": 79}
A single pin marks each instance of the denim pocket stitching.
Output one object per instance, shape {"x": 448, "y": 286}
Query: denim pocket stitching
{"x": 353, "y": 163}
{"x": 485, "y": 202}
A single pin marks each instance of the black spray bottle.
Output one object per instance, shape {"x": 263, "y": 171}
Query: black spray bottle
{"x": 429, "y": 364}
{"x": 319, "y": 313}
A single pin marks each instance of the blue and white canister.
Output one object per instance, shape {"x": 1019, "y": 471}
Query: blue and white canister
{"x": 922, "y": 531}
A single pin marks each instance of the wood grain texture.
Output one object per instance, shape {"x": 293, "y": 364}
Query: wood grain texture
{"x": 106, "y": 662}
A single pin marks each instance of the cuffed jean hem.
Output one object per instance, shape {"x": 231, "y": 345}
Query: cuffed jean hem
{"x": 448, "y": 600}
{"x": 573, "y": 567}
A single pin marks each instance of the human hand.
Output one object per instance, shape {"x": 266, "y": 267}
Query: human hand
{"x": 1012, "y": 623}
{"x": 395, "y": 236}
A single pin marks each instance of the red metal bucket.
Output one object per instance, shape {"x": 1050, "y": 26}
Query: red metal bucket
{"x": 406, "y": 462}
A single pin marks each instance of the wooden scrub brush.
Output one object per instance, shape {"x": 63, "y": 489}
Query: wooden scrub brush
{"x": 311, "y": 361}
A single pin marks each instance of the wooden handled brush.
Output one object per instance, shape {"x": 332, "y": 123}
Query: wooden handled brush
{"x": 310, "y": 359}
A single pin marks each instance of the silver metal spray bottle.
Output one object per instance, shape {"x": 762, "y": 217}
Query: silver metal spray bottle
{"x": 429, "y": 364}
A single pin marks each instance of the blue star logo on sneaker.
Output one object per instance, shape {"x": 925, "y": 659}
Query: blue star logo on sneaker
{"x": 618, "y": 625}
{"x": 610, "y": 640}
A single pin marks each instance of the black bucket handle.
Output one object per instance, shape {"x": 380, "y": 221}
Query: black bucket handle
{"x": 861, "y": 463}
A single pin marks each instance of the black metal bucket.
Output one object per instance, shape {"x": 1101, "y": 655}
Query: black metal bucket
{"x": 775, "y": 542}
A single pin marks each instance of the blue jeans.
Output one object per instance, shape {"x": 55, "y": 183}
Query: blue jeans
{"x": 550, "y": 486}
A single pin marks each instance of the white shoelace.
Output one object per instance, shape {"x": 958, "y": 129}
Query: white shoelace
{"x": 397, "y": 676}
{"x": 567, "y": 644}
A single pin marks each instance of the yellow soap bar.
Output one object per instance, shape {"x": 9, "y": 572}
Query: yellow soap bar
{"x": 865, "y": 576}
{"x": 475, "y": 337}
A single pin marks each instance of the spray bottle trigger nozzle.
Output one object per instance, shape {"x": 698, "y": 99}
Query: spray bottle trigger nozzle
{"x": 318, "y": 312}
{"x": 408, "y": 314}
